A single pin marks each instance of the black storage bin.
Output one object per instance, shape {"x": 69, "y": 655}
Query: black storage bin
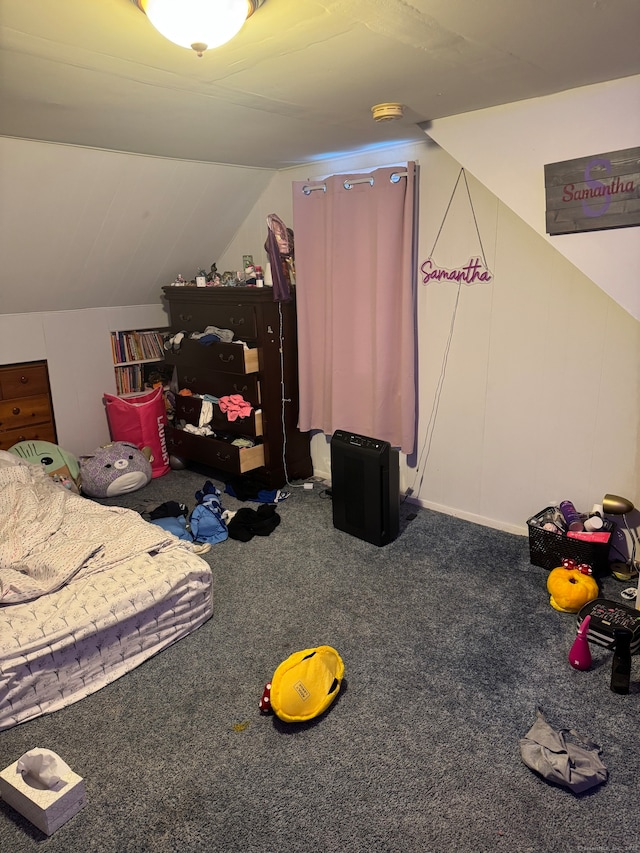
{"x": 548, "y": 549}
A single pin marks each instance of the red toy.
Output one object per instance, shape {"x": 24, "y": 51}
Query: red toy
{"x": 265, "y": 701}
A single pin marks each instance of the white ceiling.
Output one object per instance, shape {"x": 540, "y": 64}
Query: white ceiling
{"x": 299, "y": 81}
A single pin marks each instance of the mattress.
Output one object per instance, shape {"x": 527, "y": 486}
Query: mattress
{"x": 62, "y": 646}
{"x": 87, "y": 592}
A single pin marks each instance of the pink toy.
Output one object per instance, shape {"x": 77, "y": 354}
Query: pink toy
{"x": 580, "y": 653}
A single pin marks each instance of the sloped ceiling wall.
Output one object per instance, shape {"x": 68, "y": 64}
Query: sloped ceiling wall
{"x": 86, "y": 228}
{"x": 507, "y": 147}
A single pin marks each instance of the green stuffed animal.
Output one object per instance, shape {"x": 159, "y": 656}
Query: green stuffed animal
{"x": 59, "y": 464}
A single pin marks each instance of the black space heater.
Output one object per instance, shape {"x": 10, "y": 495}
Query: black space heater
{"x": 365, "y": 487}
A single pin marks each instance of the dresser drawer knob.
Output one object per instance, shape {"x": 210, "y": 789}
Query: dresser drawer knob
{"x": 190, "y": 380}
{"x": 242, "y": 390}
{"x": 186, "y": 317}
{"x": 16, "y": 410}
{"x": 239, "y": 322}
{"x": 223, "y": 457}
{"x": 24, "y": 380}
{"x": 226, "y": 359}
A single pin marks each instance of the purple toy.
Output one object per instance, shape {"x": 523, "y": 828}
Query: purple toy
{"x": 114, "y": 469}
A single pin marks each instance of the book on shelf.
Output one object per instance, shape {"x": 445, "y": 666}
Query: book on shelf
{"x": 136, "y": 378}
{"x": 138, "y": 358}
{"x": 133, "y": 346}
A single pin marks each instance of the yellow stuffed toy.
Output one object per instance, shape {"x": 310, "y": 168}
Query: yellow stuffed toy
{"x": 570, "y": 587}
{"x": 304, "y": 685}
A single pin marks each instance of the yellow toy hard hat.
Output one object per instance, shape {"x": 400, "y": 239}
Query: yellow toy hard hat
{"x": 306, "y": 683}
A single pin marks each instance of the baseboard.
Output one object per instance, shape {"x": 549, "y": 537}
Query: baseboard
{"x": 519, "y": 530}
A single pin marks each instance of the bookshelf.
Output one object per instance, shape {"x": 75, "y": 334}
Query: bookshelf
{"x": 137, "y": 355}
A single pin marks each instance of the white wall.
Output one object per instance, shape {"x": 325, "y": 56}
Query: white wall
{"x": 85, "y": 228}
{"x": 87, "y": 240}
{"x": 77, "y": 348}
{"x": 507, "y": 147}
{"x": 541, "y": 391}
{"x": 540, "y": 398}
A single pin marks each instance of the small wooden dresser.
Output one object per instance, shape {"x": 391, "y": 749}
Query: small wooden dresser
{"x": 26, "y": 411}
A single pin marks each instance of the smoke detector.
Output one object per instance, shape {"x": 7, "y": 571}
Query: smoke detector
{"x": 387, "y": 112}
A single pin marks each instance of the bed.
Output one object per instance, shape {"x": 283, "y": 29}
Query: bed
{"x": 87, "y": 592}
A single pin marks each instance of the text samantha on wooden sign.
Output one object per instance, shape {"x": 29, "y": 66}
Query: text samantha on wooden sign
{"x": 593, "y": 193}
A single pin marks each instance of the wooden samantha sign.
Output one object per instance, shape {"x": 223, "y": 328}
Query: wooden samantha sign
{"x": 593, "y": 193}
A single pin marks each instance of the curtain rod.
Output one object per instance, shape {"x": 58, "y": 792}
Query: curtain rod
{"x": 394, "y": 177}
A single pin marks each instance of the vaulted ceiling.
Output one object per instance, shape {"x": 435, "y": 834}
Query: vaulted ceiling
{"x": 299, "y": 81}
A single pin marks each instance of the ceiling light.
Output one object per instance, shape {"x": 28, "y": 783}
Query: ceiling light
{"x": 198, "y": 24}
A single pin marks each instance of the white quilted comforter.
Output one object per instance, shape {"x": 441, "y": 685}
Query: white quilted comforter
{"x": 90, "y": 592}
{"x": 47, "y": 533}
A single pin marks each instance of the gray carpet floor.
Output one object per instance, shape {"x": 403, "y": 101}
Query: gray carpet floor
{"x": 449, "y": 645}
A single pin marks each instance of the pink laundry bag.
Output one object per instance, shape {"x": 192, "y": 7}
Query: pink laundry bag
{"x": 141, "y": 420}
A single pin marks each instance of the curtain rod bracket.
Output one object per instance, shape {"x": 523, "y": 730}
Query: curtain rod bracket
{"x": 394, "y": 177}
{"x": 307, "y": 190}
{"x": 348, "y": 184}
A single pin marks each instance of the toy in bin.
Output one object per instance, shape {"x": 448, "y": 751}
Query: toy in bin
{"x": 304, "y": 685}
{"x": 554, "y": 536}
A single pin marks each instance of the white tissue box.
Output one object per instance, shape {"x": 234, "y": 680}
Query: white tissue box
{"x": 46, "y": 808}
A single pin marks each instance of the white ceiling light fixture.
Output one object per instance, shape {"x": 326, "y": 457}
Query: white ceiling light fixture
{"x": 198, "y": 24}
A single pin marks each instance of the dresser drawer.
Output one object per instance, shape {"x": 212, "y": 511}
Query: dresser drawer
{"x": 225, "y": 358}
{"x": 23, "y": 411}
{"x": 214, "y": 453}
{"x": 23, "y": 380}
{"x": 41, "y": 432}
{"x": 203, "y": 381}
{"x": 188, "y": 410}
{"x": 193, "y": 317}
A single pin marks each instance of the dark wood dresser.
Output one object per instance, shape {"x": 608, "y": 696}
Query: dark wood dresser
{"x": 264, "y": 374}
{"x": 26, "y": 411}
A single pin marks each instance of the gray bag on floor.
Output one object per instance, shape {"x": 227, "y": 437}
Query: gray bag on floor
{"x": 573, "y": 763}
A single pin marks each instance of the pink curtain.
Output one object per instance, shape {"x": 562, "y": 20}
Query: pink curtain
{"x": 354, "y": 257}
